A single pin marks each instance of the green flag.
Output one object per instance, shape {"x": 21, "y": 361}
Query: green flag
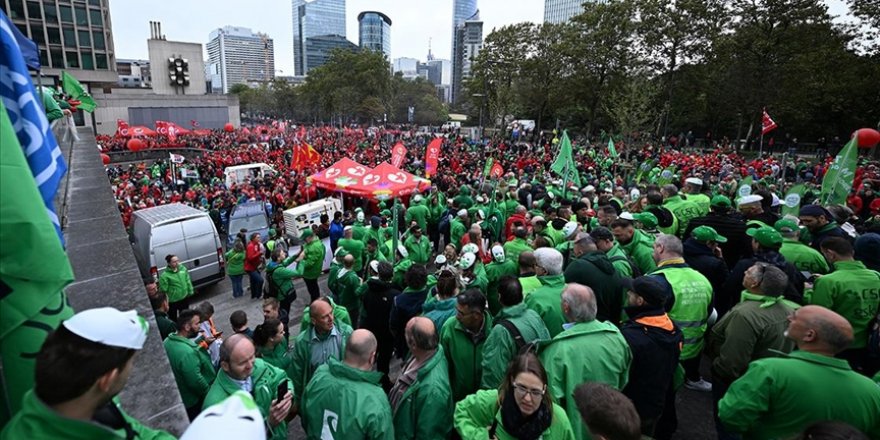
{"x": 33, "y": 270}
{"x": 488, "y": 167}
{"x": 76, "y": 91}
{"x": 564, "y": 164}
{"x": 839, "y": 177}
{"x": 644, "y": 169}
{"x": 666, "y": 176}
{"x": 791, "y": 205}
{"x": 611, "y": 150}
{"x": 745, "y": 187}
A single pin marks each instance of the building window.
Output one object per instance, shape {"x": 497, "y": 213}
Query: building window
{"x": 33, "y": 9}
{"x": 97, "y": 17}
{"x": 44, "y": 57}
{"x": 82, "y": 17}
{"x": 54, "y": 35}
{"x": 72, "y": 59}
{"x": 66, "y": 13}
{"x": 88, "y": 63}
{"x": 95, "y": 2}
{"x": 37, "y": 33}
{"x": 16, "y": 9}
{"x": 84, "y": 39}
{"x": 57, "y": 57}
{"x": 98, "y": 38}
{"x": 69, "y": 37}
{"x": 50, "y": 12}
{"x": 101, "y": 61}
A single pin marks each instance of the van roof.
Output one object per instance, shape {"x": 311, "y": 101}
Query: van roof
{"x": 248, "y": 166}
{"x": 170, "y": 213}
{"x": 247, "y": 208}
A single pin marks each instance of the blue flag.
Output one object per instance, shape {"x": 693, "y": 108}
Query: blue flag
{"x": 28, "y": 48}
{"x": 29, "y": 121}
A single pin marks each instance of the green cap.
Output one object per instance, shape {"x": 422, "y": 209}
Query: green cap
{"x": 721, "y": 201}
{"x": 647, "y": 219}
{"x": 765, "y": 235}
{"x": 707, "y": 233}
{"x": 306, "y": 234}
{"x": 272, "y": 233}
{"x": 786, "y": 225}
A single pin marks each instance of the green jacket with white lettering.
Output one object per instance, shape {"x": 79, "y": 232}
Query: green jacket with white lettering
{"x": 853, "y": 291}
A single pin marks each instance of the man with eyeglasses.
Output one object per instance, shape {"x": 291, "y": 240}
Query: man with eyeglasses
{"x": 751, "y": 330}
{"x": 462, "y": 340}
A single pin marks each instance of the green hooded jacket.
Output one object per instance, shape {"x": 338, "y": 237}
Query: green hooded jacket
{"x": 340, "y": 314}
{"x": 347, "y": 403}
{"x": 313, "y": 263}
{"x": 177, "y": 285}
{"x": 439, "y": 311}
{"x": 356, "y": 248}
{"x": 419, "y": 250}
{"x": 853, "y": 291}
{"x": 457, "y": 229}
{"x": 400, "y": 269}
{"x": 282, "y": 276}
{"x": 478, "y": 412}
{"x": 586, "y": 351}
{"x": 464, "y": 355}
{"x": 514, "y": 247}
{"x": 425, "y": 409}
{"x": 500, "y": 346}
{"x": 620, "y": 261}
{"x": 641, "y": 250}
{"x": 683, "y": 210}
{"x": 595, "y": 270}
{"x": 546, "y": 301}
{"x": 494, "y": 272}
{"x": 347, "y": 283}
{"x": 265, "y": 379}
{"x": 278, "y": 356}
{"x": 419, "y": 214}
{"x": 192, "y": 368}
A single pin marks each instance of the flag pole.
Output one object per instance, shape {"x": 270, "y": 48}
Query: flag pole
{"x": 761, "y": 144}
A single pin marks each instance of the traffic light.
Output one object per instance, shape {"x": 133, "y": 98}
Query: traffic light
{"x": 178, "y": 71}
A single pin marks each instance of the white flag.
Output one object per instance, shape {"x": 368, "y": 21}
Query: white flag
{"x": 176, "y": 158}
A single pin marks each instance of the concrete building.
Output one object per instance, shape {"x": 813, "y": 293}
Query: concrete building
{"x": 468, "y": 43}
{"x": 237, "y": 55}
{"x": 139, "y": 107}
{"x": 162, "y": 52}
{"x": 374, "y": 32}
{"x": 462, "y": 10}
{"x": 439, "y": 72}
{"x": 313, "y": 18}
{"x": 560, "y": 11}
{"x": 133, "y": 73}
{"x": 318, "y": 48}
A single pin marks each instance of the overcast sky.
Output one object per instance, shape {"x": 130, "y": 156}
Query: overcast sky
{"x": 414, "y": 22}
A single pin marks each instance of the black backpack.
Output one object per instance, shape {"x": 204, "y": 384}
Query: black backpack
{"x": 521, "y": 345}
{"x": 636, "y": 272}
{"x": 270, "y": 289}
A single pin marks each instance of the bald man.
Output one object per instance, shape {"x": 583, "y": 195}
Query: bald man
{"x": 587, "y": 350}
{"x": 241, "y": 370}
{"x": 805, "y": 386}
{"x": 423, "y": 383}
{"x": 345, "y": 398}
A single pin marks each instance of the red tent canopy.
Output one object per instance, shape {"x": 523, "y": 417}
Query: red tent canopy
{"x": 387, "y": 182}
{"x": 340, "y": 176}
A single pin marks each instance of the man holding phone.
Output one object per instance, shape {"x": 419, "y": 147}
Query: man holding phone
{"x": 241, "y": 370}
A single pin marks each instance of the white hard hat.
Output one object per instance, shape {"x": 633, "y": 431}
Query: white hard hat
{"x": 109, "y": 326}
{"x": 374, "y": 265}
{"x": 627, "y": 216}
{"x": 235, "y": 417}
{"x": 498, "y": 253}
{"x": 440, "y": 260}
{"x": 694, "y": 181}
{"x": 589, "y": 188}
{"x": 754, "y": 198}
{"x": 467, "y": 260}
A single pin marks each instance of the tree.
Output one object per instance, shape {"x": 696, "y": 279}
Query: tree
{"x": 351, "y": 86}
{"x": 631, "y": 107}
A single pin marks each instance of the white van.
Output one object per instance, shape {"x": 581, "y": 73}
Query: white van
{"x": 179, "y": 230}
{"x": 302, "y": 217}
{"x": 238, "y": 174}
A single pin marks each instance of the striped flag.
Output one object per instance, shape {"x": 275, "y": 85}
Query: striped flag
{"x": 29, "y": 122}
{"x": 767, "y": 124}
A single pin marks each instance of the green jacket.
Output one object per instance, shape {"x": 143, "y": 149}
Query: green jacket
{"x": 500, "y": 346}
{"x": 703, "y": 202}
{"x": 282, "y": 276}
{"x": 683, "y": 210}
{"x": 234, "y": 262}
{"x": 166, "y": 326}
{"x": 547, "y": 302}
{"x": 641, "y": 250}
{"x": 192, "y": 368}
{"x": 347, "y": 283}
{"x": 425, "y": 410}
{"x": 313, "y": 263}
{"x": 177, "y": 285}
{"x": 753, "y": 329}
{"x": 778, "y": 397}
{"x": 418, "y": 214}
{"x": 301, "y": 367}
{"x": 400, "y": 269}
{"x": 265, "y": 380}
{"x": 529, "y": 284}
{"x": 356, "y": 249}
{"x": 277, "y": 357}
{"x": 514, "y": 247}
{"x": 586, "y": 351}
{"x": 419, "y": 250}
{"x": 479, "y": 279}
{"x": 494, "y": 272}
{"x": 464, "y": 355}
{"x": 853, "y": 291}
{"x": 692, "y": 294}
{"x": 804, "y": 257}
{"x": 476, "y": 414}
{"x": 347, "y": 403}
{"x": 457, "y": 230}
{"x": 35, "y": 420}
{"x": 439, "y": 311}
{"x": 620, "y": 260}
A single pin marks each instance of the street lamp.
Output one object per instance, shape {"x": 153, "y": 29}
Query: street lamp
{"x": 481, "y": 95}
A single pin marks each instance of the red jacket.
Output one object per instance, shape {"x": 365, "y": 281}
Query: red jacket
{"x": 253, "y": 256}
{"x": 508, "y": 227}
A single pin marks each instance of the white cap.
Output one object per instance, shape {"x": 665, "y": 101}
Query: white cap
{"x": 589, "y": 188}
{"x": 402, "y": 250}
{"x": 417, "y": 198}
{"x": 360, "y": 216}
{"x": 569, "y": 229}
{"x": 467, "y": 260}
{"x": 470, "y": 247}
{"x": 235, "y": 417}
{"x": 775, "y": 201}
{"x": 340, "y": 251}
{"x": 627, "y": 216}
{"x": 480, "y": 199}
{"x": 462, "y": 213}
{"x": 109, "y": 326}
{"x": 498, "y": 253}
{"x": 374, "y": 265}
{"x": 607, "y": 189}
{"x": 347, "y": 228}
{"x": 694, "y": 181}
{"x": 754, "y": 198}
{"x": 440, "y": 260}
{"x": 481, "y": 214}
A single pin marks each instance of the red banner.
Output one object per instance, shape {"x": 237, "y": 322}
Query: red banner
{"x": 122, "y": 128}
{"x": 496, "y": 171}
{"x": 304, "y": 156}
{"x": 767, "y": 124}
{"x": 432, "y": 155}
{"x": 398, "y": 153}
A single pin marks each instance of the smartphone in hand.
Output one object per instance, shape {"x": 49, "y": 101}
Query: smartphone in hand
{"x": 282, "y": 391}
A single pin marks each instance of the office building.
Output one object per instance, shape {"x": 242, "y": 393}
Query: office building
{"x": 237, "y": 55}
{"x": 468, "y": 43}
{"x": 462, "y": 10}
{"x": 374, "y": 32}
{"x": 314, "y": 18}
{"x": 318, "y": 49}
{"x": 560, "y": 11}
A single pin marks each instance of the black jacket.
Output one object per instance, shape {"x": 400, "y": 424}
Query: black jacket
{"x": 595, "y": 270}
{"x": 406, "y": 305}
{"x": 733, "y": 287}
{"x": 730, "y": 226}
{"x": 655, "y": 349}
{"x": 377, "y": 302}
{"x": 699, "y": 257}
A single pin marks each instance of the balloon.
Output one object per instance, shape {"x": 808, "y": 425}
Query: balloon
{"x": 868, "y": 137}
{"x": 228, "y": 127}
{"x": 105, "y": 158}
{"x": 135, "y": 144}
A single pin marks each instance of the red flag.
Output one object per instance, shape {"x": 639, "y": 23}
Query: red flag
{"x": 164, "y": 129}
{"x": 296, "y": 159}
{"x": 432, "y": 155}
{"x": 194, "y": 123}
{"x": 304, "y": 156}
{"x": 496, "y": 171}
{"x": 767, "y": 124}
{"x": 313, "y": 158}
{"x": 121, "y": 128}
{"x": 398, "y": 153}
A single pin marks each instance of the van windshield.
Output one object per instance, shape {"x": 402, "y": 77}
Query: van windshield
{"x": 252, "y": 223}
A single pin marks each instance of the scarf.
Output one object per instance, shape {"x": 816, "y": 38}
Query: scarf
{"x": 521, "y": 427}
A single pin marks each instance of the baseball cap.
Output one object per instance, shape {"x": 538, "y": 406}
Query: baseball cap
{"x": 765, "y": 235}
{"x": 467, "y": 260}
{"x": 720, "y": 201}
{"x": 306, "y": 234}
{"x": 498, "y": 253}
{"x": 462, "y": 213}
{"x": 694, "y": 181}
{"x": 647, "y": 219}
{"x": 707, "y": 233}
{"x": 237, "y": 417}
{"x": 109, "y": 326}
{"x": 569, "y": 229}
{"x": 785, "y": 225}
{"x": 814, "y": 211}
{"x": 601, "y": 233}
{"x": 650, "y": 289}
{"x": 440, "y": 260}
{"x": 417, "y": 198}
{"x": 747, "y": 200}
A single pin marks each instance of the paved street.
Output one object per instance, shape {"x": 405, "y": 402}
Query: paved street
{"x": 694, "y": 408}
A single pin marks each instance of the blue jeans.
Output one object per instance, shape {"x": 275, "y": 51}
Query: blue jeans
{"x": 237, "y": 290}
{"x": 256, "y": 284}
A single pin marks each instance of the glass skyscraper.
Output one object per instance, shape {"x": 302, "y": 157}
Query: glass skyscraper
{"x": 374, "y": 32}
{"x": 312, "y": 18}
{"x": 462, "y": 10}
{"x": 560, "y": 11}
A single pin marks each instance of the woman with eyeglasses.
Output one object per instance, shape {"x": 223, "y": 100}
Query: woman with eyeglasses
{"x": 521, "y": 408}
